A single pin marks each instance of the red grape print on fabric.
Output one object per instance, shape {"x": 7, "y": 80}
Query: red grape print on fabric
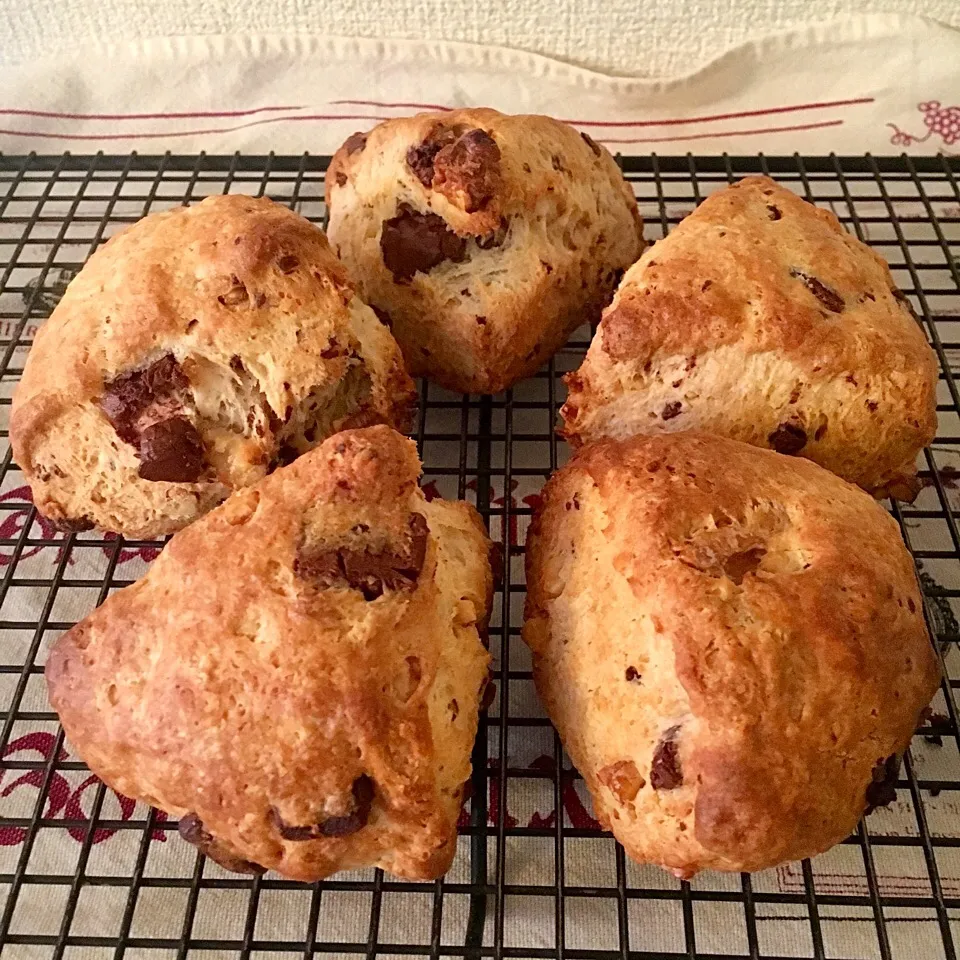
{"x": 938, "y": 119}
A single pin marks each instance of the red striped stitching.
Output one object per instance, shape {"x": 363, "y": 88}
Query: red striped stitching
{"x": 425, "y": 106}
{"x": 377, "y": 103}
{"x": 11, "y": 112}
{"x": 727, "y": 133}
{"x": 46, "y": 135}
{"x": 671, "y": 121}
{"x": 720, "y": 116}
{"x": 243, "y": 126}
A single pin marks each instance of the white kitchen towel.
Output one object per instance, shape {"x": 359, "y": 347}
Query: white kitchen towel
{"x": 883, "y": 83}
{"x": 655, "y": 40}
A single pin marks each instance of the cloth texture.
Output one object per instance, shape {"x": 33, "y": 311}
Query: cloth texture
{"x": 663, "y": 39}
{"x": 878, "y": 82}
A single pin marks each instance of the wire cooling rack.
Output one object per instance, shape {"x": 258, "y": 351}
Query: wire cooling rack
{"x": 88, "y": 875}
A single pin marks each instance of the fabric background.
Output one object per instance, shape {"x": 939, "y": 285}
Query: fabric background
{"x": 875, "y": 82}
{"x": 656, "y": 39}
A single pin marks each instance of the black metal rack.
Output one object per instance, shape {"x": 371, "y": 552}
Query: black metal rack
{"x": 86, "y": 874}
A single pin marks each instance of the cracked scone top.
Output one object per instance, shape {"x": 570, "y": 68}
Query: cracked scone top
{"x": 760, "y": 318}
{"x": 194, "y": 351}
{"x": 731, "y": 644}
{"x": 297, "y": 677}
{"x": 484, "y": 239}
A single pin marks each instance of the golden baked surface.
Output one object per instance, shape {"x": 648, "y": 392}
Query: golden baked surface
{"x": 297, "y": 677}
{"x": 485, "y": 238}
{"x": 731, "y": 643}
{"x": 195, "y": 350}
{"x": 760, "y": 318}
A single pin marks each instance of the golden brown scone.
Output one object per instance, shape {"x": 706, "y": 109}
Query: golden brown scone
{"x": 194, "y": 351}
{"x": 760, "y": 318}
{"x": 297, "y": 677}
{"x": 484, "y": 238}
{"x": 731, "y": 643}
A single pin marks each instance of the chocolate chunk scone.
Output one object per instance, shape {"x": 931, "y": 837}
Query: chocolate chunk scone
{"x": 731, "y": 643}
{"x": 195, "y": 351}
{"x": 483, "y": 239}
{"x": 760, "y": 318}
{"x": 298, "y": 676}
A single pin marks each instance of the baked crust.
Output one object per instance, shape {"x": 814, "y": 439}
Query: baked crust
{"x": 230, "y": 321}
{"x": 760, "y": 318}
{"x": 297, "y": 677}
{"x": 731, "y": 644}
{"x": 485, "y": 238}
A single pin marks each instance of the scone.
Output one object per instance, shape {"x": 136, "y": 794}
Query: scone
{"x": 297, "y": 677}
{"x": 483, "y": 239}
{"x": 760, "y": 318}
{"x": 195, "y": 351}
{"x": 731, "y": 644}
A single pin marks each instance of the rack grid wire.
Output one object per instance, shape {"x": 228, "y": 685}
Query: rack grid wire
{"x": 89, "y": 875}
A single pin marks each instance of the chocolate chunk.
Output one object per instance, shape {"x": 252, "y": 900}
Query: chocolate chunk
{"x": 363, "y": 800}
{"x": 883, "y": 779}
{"x": 462, "y": 164}
{"x": 788, "y": 438}
{"x": 362, "y": 790}
{"x": 665, "y": 771}
{"x": 591, "y": 143}
{"x": 420, "y": 161}
{"x": 355, "y": 143}
{"x": 290, "y": 832}
{"x": 412, "y": 242}
{"x": 126, "y": 399}
{"x": 671, "y": 410}
{"x": 829, "y": 298}
{"x": 73, "y": 524}
{"x": 421, "y": 157}
{"x": 372, "y": 570}
{"x": 631, "y": 675}
{"x": 773, "y": 212}
{"x": 468, "y": 170}
{"x": 171, "y": 450}
{"x": 192, "y": 830}
{"x": 341, "y": 179}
